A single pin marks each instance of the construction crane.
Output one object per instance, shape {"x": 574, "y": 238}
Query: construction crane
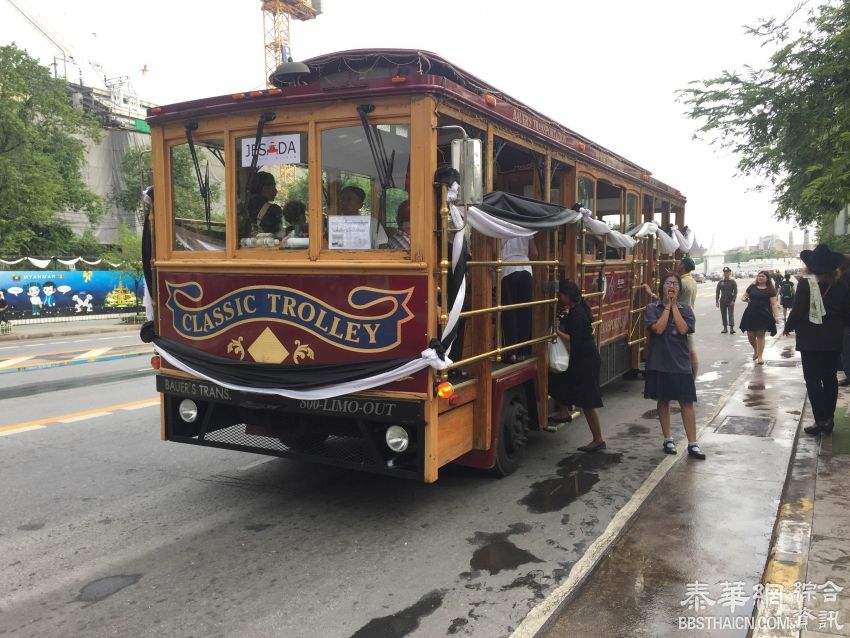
{"x": 67, "y": 51}
{"x": 276, "y": 17}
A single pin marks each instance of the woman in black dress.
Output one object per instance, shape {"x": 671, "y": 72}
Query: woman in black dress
{"x": 760, "y": 315}
{"x": 579, "y": 385}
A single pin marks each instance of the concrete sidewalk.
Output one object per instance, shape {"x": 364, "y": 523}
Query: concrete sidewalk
{"x": 67, "y": 328}
{"x": 711, "y": 534}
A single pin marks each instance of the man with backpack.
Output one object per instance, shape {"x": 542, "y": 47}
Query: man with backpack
{"x": 786, "y": 294}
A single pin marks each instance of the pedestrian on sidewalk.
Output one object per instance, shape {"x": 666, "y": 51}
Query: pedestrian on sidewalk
{"x": 760, "y": 314}
{"x": 819, "y": 315}
{"x": 724, "y": 298}
{"x": 669, "y": 371}
{"x": 844, "y": 273}
{"x": 579, "y": 384}
{"x": 786, "y": 295}
{"x": 688, "y": 296}
{"x": 4, "y": 306}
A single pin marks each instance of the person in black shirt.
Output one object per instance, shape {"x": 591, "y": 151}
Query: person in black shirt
{"x": 265, "y": 215}
{"x": 819, "y": 315}
{"x": 724, "y": 298}
{"x": 579, "y": 385}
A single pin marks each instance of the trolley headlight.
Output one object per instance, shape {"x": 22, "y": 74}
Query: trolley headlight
{"x": 397, "y": 438}
{"x": 188, "y": 410}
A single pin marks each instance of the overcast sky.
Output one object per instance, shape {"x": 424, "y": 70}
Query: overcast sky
{"x": 608, "y": 69}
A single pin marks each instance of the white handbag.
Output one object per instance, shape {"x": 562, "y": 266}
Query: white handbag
{"x": 559, "y": 356}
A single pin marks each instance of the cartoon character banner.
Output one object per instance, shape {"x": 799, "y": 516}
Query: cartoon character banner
{"x": 75, "y": 292}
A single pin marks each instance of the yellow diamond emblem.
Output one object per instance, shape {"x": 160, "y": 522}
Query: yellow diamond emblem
{"x": 267, "y": 349}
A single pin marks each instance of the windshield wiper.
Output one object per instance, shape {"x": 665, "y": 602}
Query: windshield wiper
{"x": 203, "y": 181}
{"x": 255, "y": 153}
{"x": 383, "y": 164}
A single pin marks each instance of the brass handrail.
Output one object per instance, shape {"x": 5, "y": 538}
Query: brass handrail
{"x": 499, "y": 351}
{"x": 524, "y": 304}
{"x": 497, "y": 262}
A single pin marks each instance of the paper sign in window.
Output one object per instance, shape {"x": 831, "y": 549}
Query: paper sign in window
{"x": 349, "y": 232}
{"x": 273, "y": 149}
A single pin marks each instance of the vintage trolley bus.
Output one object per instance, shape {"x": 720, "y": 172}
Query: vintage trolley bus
{"x": 325, "y": 265}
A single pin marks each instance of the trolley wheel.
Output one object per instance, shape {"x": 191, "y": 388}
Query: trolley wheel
{"x": 513, "y": 432}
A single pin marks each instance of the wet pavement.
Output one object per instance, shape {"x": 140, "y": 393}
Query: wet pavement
{"x": 715, "y": 533}
{"x": 612, "y": 540}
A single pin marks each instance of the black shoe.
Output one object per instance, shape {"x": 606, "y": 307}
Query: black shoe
{"x": 669, "y": 447}
{"x": 732, "y": 331}
{"x": 696, "y": 453}
{"x": 820, "y": 427}
{"x": 724, "y": 331}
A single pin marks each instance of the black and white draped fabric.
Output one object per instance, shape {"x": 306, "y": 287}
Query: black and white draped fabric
{"x": 667, "y": 243}
{"x": 505, "y": 216}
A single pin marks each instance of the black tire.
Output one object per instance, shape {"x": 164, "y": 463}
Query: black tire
{"x": 513, "y": 432}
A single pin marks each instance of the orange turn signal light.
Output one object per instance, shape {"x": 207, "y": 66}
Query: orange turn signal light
{"x": 490, "y": 100}
{"x": 156, "y": 362}
{"x": 445, "y": 390}
{"x": 398, "y": 79}
{"x": 238, "y": 96}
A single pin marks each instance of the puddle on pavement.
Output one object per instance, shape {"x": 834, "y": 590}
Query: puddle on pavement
{"x": 756, "y": 386}
{"x": 530, "y": 580}
{"x": 496, "y": 552}
{"x": 787, "y": 352}
{"x": 404, "y": 622}
{"x": 576, "y": 476}
{"x": 102, "y": 588}
{"x": 501, "y": 555}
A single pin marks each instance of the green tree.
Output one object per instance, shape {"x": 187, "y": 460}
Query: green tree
{"x": 42, "y": 150}
{"x": 790, "y": 122}
{"x": 127, "y": 251}
{"x": 135, "y": 176}
{"x": 188, "y": 203}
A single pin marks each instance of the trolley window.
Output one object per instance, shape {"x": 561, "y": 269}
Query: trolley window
{"x": 273, "y": 213}
{"x": 365, "y": 176}
{"x": 197, "y": 195}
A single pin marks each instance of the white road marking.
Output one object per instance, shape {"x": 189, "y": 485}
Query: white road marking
{"x": 143, "y": 405}
{"x": 24, "y": 429}
{"x": 84, "y": 417}
{"x": 91, "y": 354}
{"x": 256, "y": 463}
{"x": 8, "y": 363}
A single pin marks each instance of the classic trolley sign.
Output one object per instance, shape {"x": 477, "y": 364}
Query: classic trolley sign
{"x": 324, "y": 263}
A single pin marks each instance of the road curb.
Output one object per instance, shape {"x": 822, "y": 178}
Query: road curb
{"x": 540, "y": 618}
{"x": 20, "y": 336}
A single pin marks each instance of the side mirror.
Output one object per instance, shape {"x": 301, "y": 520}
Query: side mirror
{"x": 466, "y": 159}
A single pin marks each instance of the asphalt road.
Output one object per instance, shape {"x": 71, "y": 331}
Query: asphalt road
{"x": 106, "y": 530}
